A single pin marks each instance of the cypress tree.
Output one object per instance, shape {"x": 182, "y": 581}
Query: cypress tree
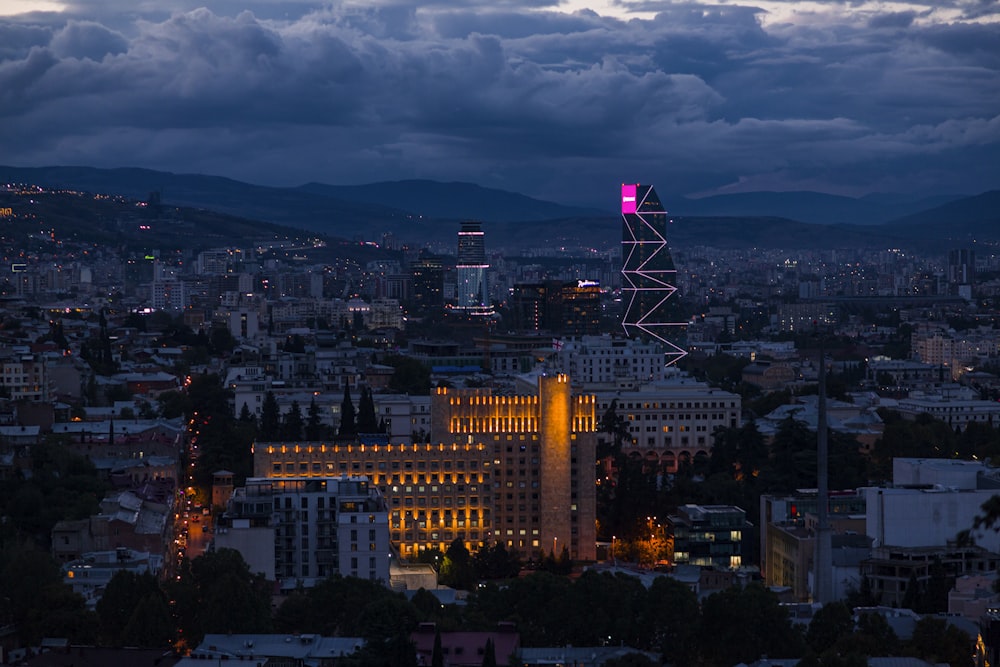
{"x": 270, "y": 418}
{"x": 314, "y": 426}
{"x": 437, "y": 655}
{"x": 348, "y": 425}
{"x": 367, "y": 421}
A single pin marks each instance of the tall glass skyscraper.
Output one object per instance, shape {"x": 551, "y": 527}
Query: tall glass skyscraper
{"x": 648, "y": 272}
{"x": 472, "y": 294}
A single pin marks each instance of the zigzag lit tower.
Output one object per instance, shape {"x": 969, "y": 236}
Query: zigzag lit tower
{"x": 648, "y": 270}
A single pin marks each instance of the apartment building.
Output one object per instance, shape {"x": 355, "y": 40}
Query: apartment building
{"x": 299, "y": 530}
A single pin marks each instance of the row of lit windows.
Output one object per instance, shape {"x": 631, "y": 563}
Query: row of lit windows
{"x": 446, "y": 488}
{"x": 677, "y": 405}
{"x": 670, "y": 429}
{"x": 303, "y": 468}
{"x": 395, "y": 464}
{"x": 435, "y": 515}
{"x": 435, "y": 501}
{"x": 415, "y": 448}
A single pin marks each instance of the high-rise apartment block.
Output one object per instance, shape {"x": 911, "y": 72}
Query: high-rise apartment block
{"x": 512, "y": 469}
{"x": 648, "y": 271}
{"x": 426, "y": 283}
{"x": 961, "y": 267}
{"x": 472, "y": 293}
{"x": 559, "y": 307}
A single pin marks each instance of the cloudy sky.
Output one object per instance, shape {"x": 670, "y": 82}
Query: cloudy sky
{"x": 560, "y": 100}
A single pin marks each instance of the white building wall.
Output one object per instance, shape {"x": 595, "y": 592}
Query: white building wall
{"x": 605, "y": 359}
{"x": 256, "y": 545}
{"x": 948, "y": 473}
{"x": 404, "y": 415}
{"x": 922, "y": 518}
{"x": 364, "y": 544}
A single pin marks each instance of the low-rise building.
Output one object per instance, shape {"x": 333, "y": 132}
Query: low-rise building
{"x": 957, "y": 413}
{"x": 671, "y": 422}
{"x": 891, "y": 571}
{"x": 708, "y": 535}
{"x": 272, "y": 649}
{"x": 89, "y": 575}
{"x": 466, "y": 649}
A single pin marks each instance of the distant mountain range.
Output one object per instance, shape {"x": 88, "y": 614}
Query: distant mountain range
{"x": 814, "y": 207}
{"x": 421, "y": 211}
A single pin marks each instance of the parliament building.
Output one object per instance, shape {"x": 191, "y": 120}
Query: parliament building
{"x": 513, "y": 469}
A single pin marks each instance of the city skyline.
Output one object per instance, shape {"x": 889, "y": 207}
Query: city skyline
{"x": 557, "y": 101}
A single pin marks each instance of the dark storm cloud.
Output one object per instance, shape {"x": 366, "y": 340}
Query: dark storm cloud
{"x": 893, "y": 20}
{"x": 509, "y": 95}
{"x": 16, "y": 40}
{"x": 86, "y": 39}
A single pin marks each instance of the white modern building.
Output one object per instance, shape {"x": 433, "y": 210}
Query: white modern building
{"x": 300, "y": 530}
{"x": 610, "y": 359}
{"x": 926, "y": 515}
{"x": 948, "y": 473}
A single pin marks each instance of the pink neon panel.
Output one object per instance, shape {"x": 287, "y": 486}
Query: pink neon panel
{"x": 628, "y": 198}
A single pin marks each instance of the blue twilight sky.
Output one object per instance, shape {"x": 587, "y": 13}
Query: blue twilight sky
{"x": 559, "y": 100}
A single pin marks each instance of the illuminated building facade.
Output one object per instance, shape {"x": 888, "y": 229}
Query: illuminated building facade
{"x": 472, "y": 293}
{"x": 648, "y": 271}
{"x": 514, "y": 469}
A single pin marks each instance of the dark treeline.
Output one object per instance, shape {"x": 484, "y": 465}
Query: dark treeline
{"x": 217, "y": 594}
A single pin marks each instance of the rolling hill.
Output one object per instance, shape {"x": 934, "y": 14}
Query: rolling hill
{"x": 422, "y": 212}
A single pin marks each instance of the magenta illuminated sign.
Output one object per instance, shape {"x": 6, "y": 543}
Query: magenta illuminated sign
{"x": 628, "y": 199}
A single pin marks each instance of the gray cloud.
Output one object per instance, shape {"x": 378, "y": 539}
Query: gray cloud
{"x": 893, "y": 20}
{"x": 557, "y": 105}
{"x": 86, "y": 39}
